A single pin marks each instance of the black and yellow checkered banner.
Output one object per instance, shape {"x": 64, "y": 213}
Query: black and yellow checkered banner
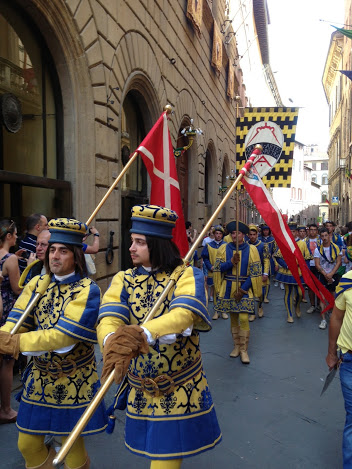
{"x": 286, "y": 119}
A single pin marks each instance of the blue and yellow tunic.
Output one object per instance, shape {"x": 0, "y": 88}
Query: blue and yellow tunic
{"x": 271, "y": 247}
{"x": 58, "y": 387}
{"x": 209, "y": 255}
{"x": 179, "y": 421}
{"x": 284, "y": 275}
{"x": 225, "y": 278}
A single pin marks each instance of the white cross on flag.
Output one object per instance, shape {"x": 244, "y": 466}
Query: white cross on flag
{"x": 157, "y": 154}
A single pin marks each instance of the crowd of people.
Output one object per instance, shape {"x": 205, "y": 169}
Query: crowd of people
{"x": 158, "y": 363}
{"x": 231, "y": 277}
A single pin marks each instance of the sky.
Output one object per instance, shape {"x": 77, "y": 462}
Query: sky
{"x": 298, "y": 48}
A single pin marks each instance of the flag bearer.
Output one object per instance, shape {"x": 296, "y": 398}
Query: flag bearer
{"x": 239, "y": 278}
{"x": 170, "y": 412}
{"x": 61, "y": 379}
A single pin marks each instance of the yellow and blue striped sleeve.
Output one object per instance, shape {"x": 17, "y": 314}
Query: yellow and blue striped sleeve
{"x": 114, "y": 310}
{"x": 81, "y": 313}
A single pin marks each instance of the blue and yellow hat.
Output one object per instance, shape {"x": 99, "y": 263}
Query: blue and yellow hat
{"x": 153, "y": 220}
{"x": 253, "y": 227}
{"x": 219, "y": 228}
{"x": 67, "y": 231}
{"x": 242, "y": 227}
{"x": 292, "y": 225}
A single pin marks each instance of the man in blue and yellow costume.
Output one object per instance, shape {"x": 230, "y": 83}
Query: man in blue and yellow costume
{"x": 293, "y": 293}
{"x": 170, "y": 413}
{"x": 59, "y": 334}
{"x": 265, "y": 261}
{"x": 209, "y": 255}
{"x": 239, "y": 279}
{"x": 271, "y": 247}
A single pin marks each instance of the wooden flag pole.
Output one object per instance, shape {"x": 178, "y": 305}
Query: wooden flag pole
{"x": 168, "y": 109}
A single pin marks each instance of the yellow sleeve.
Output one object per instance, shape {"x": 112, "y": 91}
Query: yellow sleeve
{"x": 255, "y": 271}
{"x": 340, "y": 302}
{"x": 110, "y": 316}
{"x": 304, "y": 250}
{"x": 106, "y": 326}
{"x": 266, "y": 256}
{"x": 217, "y": 275}
{"x": 45, "y": 340}
{"x": 174, "y": 322}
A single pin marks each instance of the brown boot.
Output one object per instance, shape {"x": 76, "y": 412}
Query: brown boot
{"x": 260, "y": 312}
{"x": 298, "y": 312}
{"x": 86, "y": 465}
{"x": 251, "y": 317}
{"x": 244, "y": 339}
{"x": 48, "y": 463}
{"x": 224, "y": 316}
{"x": 236, "y": 341}
{"x": 215, "y": 316}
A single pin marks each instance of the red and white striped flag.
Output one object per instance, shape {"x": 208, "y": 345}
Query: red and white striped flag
{"x": 282, "y": 234}
{"x": 157, "y": 154}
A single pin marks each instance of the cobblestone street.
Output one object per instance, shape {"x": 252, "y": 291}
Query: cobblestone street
{"x": 270, "y": 412}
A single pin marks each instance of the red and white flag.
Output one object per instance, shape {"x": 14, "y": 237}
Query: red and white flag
{"x": 282, "y": 234}
{"x": 157, "y": 154}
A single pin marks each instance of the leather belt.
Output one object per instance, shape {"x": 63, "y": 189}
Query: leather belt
{"x": 234, "y": 278}
{"x": 165, "y": 384}
{"x": 62, "y": 368}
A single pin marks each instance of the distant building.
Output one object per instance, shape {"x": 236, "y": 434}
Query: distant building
{"x": 301, "y": 201}
{"x": 318, "y": 162}
{"x": 337, "y": 92}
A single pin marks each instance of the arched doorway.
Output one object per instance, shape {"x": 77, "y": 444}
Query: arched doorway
{"x": 225, "y": 182}
{"x": 31, "y": 151}
{"x": 134, "y": 189}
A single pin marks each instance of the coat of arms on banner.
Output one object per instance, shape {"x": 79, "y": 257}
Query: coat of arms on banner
{"x": 269, "y": 135}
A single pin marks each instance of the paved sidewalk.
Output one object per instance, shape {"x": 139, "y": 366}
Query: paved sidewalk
{"x": 270, "y": 412}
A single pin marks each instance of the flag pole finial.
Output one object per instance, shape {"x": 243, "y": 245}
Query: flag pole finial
{"x": 168, "y": 108}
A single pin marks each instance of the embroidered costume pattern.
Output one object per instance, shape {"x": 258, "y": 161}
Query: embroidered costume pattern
{"x": 168, "y": 396}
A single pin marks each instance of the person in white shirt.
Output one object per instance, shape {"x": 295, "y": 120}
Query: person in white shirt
{"x": 312, "y": 241}
{"x": 327, "y": 259}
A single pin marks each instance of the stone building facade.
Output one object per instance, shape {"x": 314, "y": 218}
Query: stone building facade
{"x": 338, "y": 91}
{"x": 300, "y": 202}
{"x": 92, "y": 77}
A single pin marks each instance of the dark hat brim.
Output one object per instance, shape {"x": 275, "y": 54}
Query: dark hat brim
{"x": 242, "y": 227}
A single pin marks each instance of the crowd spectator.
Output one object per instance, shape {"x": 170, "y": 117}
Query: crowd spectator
{"x": 9, "y": 293}
{"x": 191, "y": 233}
{"x": 35, "y": 262}
{"x": 302, "y": 232}
{"x": 327, "y": 258}
{"x": 312, "y": 242}
{"x": 34, "y": 225}
{"x": 94, "y": 247}
{"x": 334, "y": 237}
